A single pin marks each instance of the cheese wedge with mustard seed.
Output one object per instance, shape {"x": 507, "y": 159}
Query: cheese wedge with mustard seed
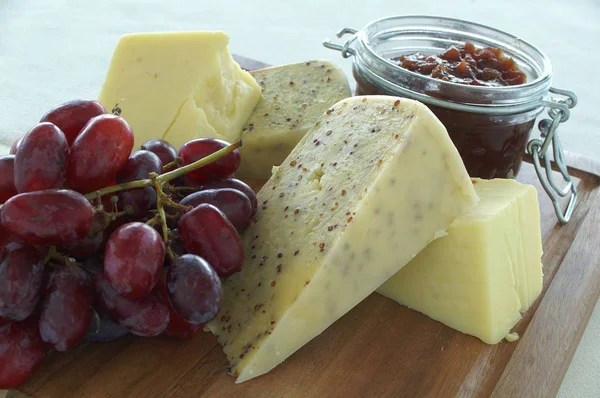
{"x": 179, "y": 86}
{"x": 293, "y": 98}
{"x": 486, "y": 271}
{"x": 365, "y": 190}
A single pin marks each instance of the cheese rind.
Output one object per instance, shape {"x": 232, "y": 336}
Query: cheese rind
{"x": 293, "y": 98}
{"x": 363, "y": 192}
{"x": 179, "y": 86}
{"x": 486, "y": 271}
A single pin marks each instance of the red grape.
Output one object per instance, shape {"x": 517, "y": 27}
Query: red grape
{"x": 41, "y": 160}
{"x": 7, "y": 179}
{"x": 15, "y": 145}
{"x": 133, "y": 258}
{"x": 72, "y": 116}
{"x": 194, "y": 289}
{"x": 206, "y": 232}
{"x": 200, "y": 148}
{"x": 4, "y": 322}
{"x": 145, "y": 317}
{"x": 164, "y": 150}
{"x": 21, "y": 279}
{"x": 103, "y": 329}
{"x": 234, "y": 183}
{"x": 66, "y": 307}
{"x": 21, "y": 352}
{"x": 99, "y": 152}
{"x": 53, "y": 217}
{"x": 233, "y": 203}
{"x": 178, "y": 328}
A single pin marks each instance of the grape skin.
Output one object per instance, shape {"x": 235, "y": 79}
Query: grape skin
{"x": 133, "y": 258}
{"x": 48, "y": 218}
{"x": 21, "y": 280}
{"x": 66, "y": 308}
{"x": 40, "y": 162}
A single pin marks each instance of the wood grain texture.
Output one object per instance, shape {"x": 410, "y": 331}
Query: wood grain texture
{"x": 379, "y": 348}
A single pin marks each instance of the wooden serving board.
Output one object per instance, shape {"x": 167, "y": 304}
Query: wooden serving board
{"x": 379, "y": 348}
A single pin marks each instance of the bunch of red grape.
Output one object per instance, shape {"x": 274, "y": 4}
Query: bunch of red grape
{"x": 77, "y": 265}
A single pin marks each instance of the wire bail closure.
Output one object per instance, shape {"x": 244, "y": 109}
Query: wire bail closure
{"x": 558, "y": 111}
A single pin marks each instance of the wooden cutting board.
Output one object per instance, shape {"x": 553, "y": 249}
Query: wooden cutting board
{"x": 379, "y": 348}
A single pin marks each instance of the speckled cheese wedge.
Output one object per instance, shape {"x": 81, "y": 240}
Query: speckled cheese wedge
{"x": 179, "y": 86}
{"x": 362, "y": 193}
{"x": 293, "y": 98}
{"x": 487, "y": 271}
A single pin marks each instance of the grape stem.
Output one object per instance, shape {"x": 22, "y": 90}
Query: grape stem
{"x": 171, "y": 175}
{"x": 54, "y": 254}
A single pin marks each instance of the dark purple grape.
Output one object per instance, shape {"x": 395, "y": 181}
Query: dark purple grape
{"x": 22, "y": 350}
{"x": 133, "y": 258}
{"x": 220, "y": 168}
{"x": 86, "y": 247}
{"x": 41, "y": 160}
{"x": 178, "y": 328}
{"x": 93, "y": 264}
{"x": 72, "y": 116}
{"x": 21, "y": 280}
{"x": 207, "y": 233}
{"x": 234, "y": 183}
{"x": 194, "y": 289}
{"x": 66, "y": 307}
{"x": 233, "y": 203}
{"x": 139, "y": 165}
{"x": 48, "y": 218}
{"x": 103, "y": 329}
{"x": 164, "y": 150}
{"x": 146, "y": 317}
{"x": 7, "y": 179}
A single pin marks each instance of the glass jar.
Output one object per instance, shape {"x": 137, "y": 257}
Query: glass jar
{"x": 490, "y": 126}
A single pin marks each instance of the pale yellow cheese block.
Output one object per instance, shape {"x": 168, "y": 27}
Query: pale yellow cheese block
{"x": 179, "y": 86}
{"x": 361, "y": 194}
{"x": 487, "y": 271}
{"x": 293, "y": 98}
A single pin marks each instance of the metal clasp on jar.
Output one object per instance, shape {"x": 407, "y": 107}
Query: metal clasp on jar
{"x": 346, "y": 50}
{"x": 559, "y": 112}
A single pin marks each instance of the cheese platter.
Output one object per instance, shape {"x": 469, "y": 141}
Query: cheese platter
{"x": 317, "y": 328}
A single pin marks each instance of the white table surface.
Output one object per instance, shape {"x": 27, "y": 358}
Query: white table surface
{"x": 56, "y": 50}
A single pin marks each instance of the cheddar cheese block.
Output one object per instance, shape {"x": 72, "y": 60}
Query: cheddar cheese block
{"x": 179, "y": 86}
{"x": 293, "y": 98}
{"x": 361, "y": 194}
{"x": 486, "y": 271}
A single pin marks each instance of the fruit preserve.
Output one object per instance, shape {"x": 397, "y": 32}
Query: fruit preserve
{"x": 466, "y": 64}
{"x": 487, "y": 87}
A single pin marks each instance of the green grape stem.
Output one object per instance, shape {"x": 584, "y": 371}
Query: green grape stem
{"x": 163, "y": 178}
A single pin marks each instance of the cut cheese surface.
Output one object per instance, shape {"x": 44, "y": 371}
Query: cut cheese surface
{"x": 486, "y": 271}
{"x": 361, "y": 194}
{"x": 293, "y": 98}
{"x": 179, "y": 86}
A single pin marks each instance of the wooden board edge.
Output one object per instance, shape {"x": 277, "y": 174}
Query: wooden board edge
{"x": 545, "y": 352}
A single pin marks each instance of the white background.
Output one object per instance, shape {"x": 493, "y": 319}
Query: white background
{"x": 56, "y": 50}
